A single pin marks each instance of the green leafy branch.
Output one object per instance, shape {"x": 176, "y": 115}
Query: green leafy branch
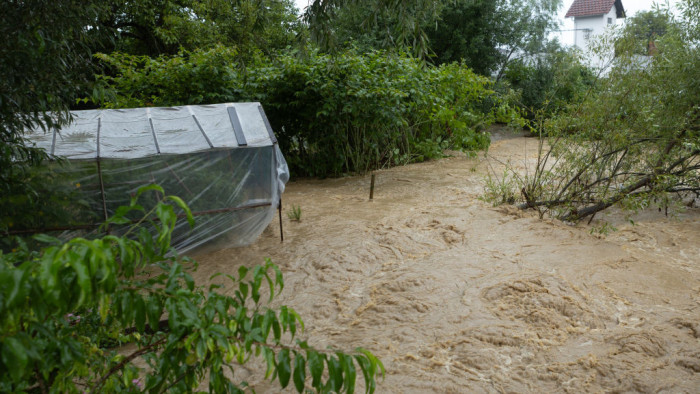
{"x": 67, "y": 310}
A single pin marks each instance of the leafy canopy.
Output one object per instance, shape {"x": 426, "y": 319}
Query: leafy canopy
{"x": 488, "y": 34}
{"x": 646, "y": 27}
{"x": 379, "y": 24}
{"x": 158, "y": 27}
{"x": 45, "y": 65}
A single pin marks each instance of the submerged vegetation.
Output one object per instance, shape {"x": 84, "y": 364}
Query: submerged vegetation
{"x": 633, "y": 141}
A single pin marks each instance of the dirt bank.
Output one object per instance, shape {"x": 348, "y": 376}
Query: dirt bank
{"x": 456, "y": 296}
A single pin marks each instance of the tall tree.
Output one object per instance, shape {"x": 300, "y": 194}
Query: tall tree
{"x": 158, "y": 27}
{"x": 523, "y": 26}
{"x": 465, "y": 32}
{"x": 489, "y": 34}
{"x": 646, "y": 27}
{"x": 387, "y": 24}
{"x": 45, "y": 64}
{"x": 484, "y": 34}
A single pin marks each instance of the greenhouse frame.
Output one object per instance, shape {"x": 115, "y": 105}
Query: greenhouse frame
{"x": 223, "y": 160}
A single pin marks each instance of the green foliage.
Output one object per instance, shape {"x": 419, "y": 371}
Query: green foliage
{"x": 483, "y": 34}
{"x": 487, "y": 35}
{"x": 355, "y": 113}
{"x": 63, "y": 307}
{"x": 632, "y": 142}
{"x": 332, "y": 114}
{"x": 500, "y": 190}
{"x": 158, "y": 27}
{"x": 522, "y": 27}
{"x": 466, "y": 32}
{"x": 44, "y": 66}
{"x": 294, "y": 213}
{"x": 199, "y": 77}
{"x": 550, "y": 82}
{"x": 376, "y": 24}
{"x": 646, "y": 27}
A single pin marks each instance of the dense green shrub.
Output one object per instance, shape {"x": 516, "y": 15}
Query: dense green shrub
{"x": 187, "y": 78}
{"x": 332, "y": 114}
{"x": 354, "y": 113}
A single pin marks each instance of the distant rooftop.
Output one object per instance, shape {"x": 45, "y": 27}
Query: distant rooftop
{"x": 595, "y": 7}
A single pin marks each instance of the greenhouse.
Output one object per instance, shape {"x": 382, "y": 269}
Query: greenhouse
{"x": 222, "y": 160}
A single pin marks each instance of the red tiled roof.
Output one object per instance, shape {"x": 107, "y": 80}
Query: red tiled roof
{"x": 595, "y": 7}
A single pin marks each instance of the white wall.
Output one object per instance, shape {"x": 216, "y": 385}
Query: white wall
{"x": 586, "y": 30}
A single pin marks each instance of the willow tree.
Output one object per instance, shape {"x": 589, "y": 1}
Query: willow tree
{"x": 634, "y": 141}
{"x": 393, "y": 24}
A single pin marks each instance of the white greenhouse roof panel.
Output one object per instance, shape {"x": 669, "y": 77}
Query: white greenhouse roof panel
{"x": 141, "y": 132}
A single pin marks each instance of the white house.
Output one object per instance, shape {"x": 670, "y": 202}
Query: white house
{"x": 592, "y": 18}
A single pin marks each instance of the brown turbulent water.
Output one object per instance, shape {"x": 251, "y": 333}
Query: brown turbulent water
{"x": 454, "y": 295}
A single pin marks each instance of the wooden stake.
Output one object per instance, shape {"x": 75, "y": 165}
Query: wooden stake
{"x": 371, "y": 188}
{"x": 279, "y": 210}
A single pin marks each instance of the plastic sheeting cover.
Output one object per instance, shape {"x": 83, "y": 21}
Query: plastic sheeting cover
{"x": 140, "y": 132}
{"x": 231, "y": 189}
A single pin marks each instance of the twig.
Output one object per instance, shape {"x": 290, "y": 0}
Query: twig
{"x": 126, "y": 360}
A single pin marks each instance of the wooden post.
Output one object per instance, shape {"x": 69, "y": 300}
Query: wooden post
{"x": 279, "y": 209}
{"x": 371, "y": 188}
{"x": 102, "y": 193}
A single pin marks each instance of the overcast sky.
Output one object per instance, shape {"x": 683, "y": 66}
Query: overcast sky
{"x": 567, "y": 37}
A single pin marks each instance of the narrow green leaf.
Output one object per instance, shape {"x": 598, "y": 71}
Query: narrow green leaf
{"x": 188, "y": 281}
{"x": 242, "y": 272}
{"x": 271, "y": 285}
{"x": 243, "y": 288}
{"x": 267, "y": 324}
{"x": 297, "y": 318}
{"x": 350, "y": 372}
{"x": 47, "y": 239}
{"x": 284, "y": 369}
{"x": 201, "y": 348}
{"x": 84, "y": 280}
{"x": 180, "y": 203}
{"x": 375, "y": 362}
{"x": 139, "y": 307}
{"x": 255, "y": 283}
{"x": 315, "y": 361}
{"x": 146, "y": 188}
{"x": 284, "y": 318}
{"x": 269, "y": 356}
{"x": 299, "y": 372}
{"x": 364, "y": 364}
{"x": 18, "y": 292}
{"x": 14, "y": 355}
{"x": 278, "y": 278}
{"x": 154, "y": 312}
{"x": 335, "y": 374}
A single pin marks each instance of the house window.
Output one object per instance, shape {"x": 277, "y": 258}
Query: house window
{"x": 609, "y": 21}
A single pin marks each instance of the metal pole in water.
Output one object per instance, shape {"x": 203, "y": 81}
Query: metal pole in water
{"x": 371, "y": 188}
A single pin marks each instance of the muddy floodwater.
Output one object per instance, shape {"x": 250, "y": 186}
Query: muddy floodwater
{"x": 456, "y": 296}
